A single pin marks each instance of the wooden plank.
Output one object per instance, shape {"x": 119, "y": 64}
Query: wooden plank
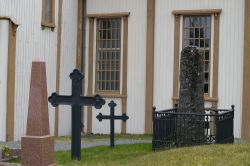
{"x": 58, "y": 63}
{"x": 11, "y": 82}
{"x": 176, "y": 57}
{"x": 109, "y": 15}
{"x": 90, "y": 72}
{"x": 245, "y": 128}
{"x": 216, "y": 59}
{"x": 79, "y": 48}
{"x": 124, "y": 70}
{"x": 197, "y": 12}
{"x": 149, "y": 65}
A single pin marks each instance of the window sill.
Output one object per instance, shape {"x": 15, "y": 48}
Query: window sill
{"x": 110, "y": 95}
{"x": 48, "y": 25}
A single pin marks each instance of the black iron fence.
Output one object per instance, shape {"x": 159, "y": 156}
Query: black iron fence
{"x": 174, "y": 129}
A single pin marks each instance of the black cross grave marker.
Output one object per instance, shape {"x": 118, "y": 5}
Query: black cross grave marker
{"x": 112, "y": 117}
{"x": 76, "y": 101}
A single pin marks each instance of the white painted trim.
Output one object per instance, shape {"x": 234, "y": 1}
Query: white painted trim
{"x": 4, "y": 40}
{"x": 211, "y": 56}
{"x": 121, "y": 55}
{"x": 94, "y": 57}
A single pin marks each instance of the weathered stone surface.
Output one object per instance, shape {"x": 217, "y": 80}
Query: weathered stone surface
{"x": 37, "y": 151}
{"x": 190, "y": 129}
{"x": 37, "y": 147}
{"x": 191, "y": 81}
{"x": 38, "y": 117}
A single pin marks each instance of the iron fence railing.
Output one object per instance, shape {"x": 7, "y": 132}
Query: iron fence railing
{"x": 174, "y": 129}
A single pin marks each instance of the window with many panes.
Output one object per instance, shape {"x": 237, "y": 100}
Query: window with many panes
{"x": 197, "y": 32}
{"x": 108, "y": 55}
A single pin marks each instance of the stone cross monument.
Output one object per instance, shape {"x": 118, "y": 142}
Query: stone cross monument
{"x": 37, "y": 147}
{"x": 190, "y": 128}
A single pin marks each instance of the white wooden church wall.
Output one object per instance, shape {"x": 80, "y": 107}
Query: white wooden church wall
{"x": 137, "y": 21}
{"x": 68, "y": 61}
{"x": 230, "y": 51}
{"x": 4, "y": 38}
{"x": 104, "y": 126}
{"x": 33, "y": 43}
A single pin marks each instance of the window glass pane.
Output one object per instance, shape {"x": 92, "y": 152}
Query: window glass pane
{"x": 186, "y": 32}
{"x": 197, "y": 21}
{"x": 202, "y": 22}
{"x": 191, "y": 42}
{"x": 104, "y": 25}
{"x": 208, "y": 22}
{"x": 207, "y": 32}
{"x": 114, "y": 34}
{"x": 114, "y": 24}
{"x": 186, "y": 22}
{"x": 197, "y": 32}
{"x": 191, "y": 22}
{"x": 48, "y": 10}
{"x": 202, "y": 43}
{"x": 186, "y": 43}
{"x": 207, "y": 43}
{"x": 207, "y": 55}
{"x": 191, "y": 33}
{"x": 206, "y": 67}
{"x": 197, "y": 42}
{"x": 202, "y": 33}
{"x": 205, "y": 88}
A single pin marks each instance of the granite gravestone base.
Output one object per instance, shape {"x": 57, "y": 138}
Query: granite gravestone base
{"x": 190, "y": 129}
{"x": 37, "y": 147}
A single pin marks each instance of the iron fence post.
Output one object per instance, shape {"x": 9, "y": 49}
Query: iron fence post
{"x": 154, "y": 128}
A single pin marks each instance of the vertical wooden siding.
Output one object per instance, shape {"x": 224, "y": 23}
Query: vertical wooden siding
{"x": 68, "y": 60}
{"x": 33, "y": 43}
{"x": 136, "y": 73}
{"x": 230, "y": 51}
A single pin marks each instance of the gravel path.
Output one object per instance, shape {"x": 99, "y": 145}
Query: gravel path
{"x": 64, "y": 146}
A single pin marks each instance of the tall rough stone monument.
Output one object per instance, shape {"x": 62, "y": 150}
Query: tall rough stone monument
{"x": 191, "y": 81}
{"x": 191, "y": 96}
{"x": 37, "y": 147}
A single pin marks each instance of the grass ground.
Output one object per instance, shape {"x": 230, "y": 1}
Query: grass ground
{"x": 142, "y": 155}
{"x": 98, "y": 137}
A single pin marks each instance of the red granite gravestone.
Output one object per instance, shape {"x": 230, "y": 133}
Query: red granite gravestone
{"x": 37, "y": 147}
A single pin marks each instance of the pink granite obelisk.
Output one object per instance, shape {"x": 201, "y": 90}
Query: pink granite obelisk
{"x": 37, "y": 147}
